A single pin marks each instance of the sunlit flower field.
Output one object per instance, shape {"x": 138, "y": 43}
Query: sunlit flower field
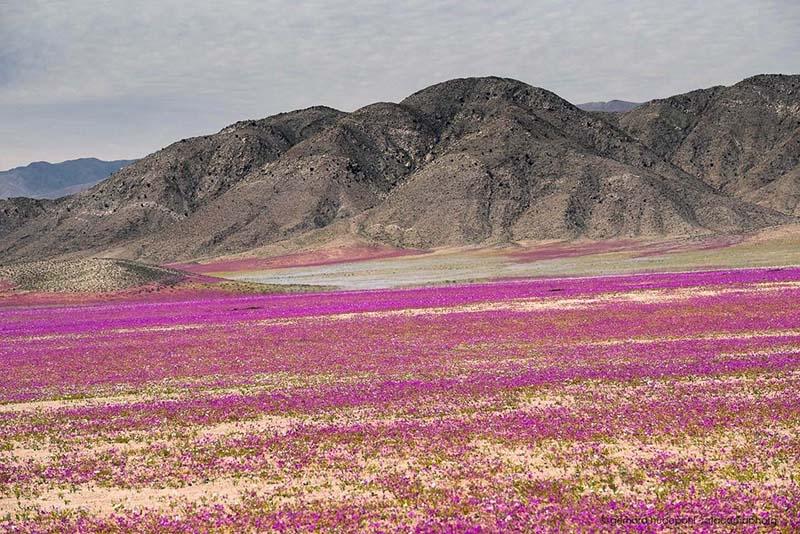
{"x": 638, "y": 402}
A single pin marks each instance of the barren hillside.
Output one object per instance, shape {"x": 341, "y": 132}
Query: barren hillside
{"x": 468, "y": 161}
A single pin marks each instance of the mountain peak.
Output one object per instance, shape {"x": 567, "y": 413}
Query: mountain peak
{"x": 772, "y": 79}
{"x": 743, "y": 140}
{"x": 485, "y": 88}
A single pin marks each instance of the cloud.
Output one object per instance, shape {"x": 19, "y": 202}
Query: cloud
{"x": 114, "y": 78}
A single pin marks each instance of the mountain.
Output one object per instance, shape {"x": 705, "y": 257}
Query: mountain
{"x": 742, "y": 140}
{"x": 160, "y": 190}
{"x": 517, "y": 162}
{"x": 52, "y": 180}
{"x": 468, "y": 161}
{"x": 612, "y": 106}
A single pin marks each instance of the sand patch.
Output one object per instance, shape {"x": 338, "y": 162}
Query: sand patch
{"x": 303, "y": 487}
{"x": 752, "y": 334}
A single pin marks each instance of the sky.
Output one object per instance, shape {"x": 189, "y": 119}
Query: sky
{"x": 120, "y": 79}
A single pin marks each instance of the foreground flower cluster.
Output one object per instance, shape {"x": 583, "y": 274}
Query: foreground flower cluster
{"x": 639, "y": 402}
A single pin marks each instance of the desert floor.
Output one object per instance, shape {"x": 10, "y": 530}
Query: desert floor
{"x": 639, "y": 400}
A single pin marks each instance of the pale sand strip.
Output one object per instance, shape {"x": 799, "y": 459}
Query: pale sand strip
{"x": 323, "y": 486}
{"x": 189, "y": 389}
{"x": 703, "y": 337}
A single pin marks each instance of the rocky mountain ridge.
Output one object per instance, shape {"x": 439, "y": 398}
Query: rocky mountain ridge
{"x": 743, "y": 140}
{"x": 467, "y": 161}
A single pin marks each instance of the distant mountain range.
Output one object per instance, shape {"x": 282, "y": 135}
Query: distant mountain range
{"x": 467, "y": 161}
{"x": 52, "y": 180}
{"x": 612, "y": 106}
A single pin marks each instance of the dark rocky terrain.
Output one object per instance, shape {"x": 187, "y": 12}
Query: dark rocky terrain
{"x": 52, "y": 180}
{"x": 468, "y": 161}
{"x": 16, "y": 212}
{"x": 743, "y": 140}
{"x": 159, "y": 191}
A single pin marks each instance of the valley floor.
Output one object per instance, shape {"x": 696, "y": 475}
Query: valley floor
{"x": 370, "y": 268}
{"x": 636, "y": 401}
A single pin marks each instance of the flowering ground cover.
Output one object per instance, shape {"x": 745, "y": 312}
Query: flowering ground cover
{"x": 636, "y": 402}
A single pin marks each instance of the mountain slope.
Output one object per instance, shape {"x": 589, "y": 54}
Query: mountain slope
{"x": 342, "y": 171}
{"x": 163, "y": 188}
{"x": 525, "y": 164}
{"x": 475, "y": 160}
{"x": 743, "y": 140}
{"x": 467, "y": 161}
{"x": 52, "y": 180}
{"x": 86, "y": 275}
{"x": 15, "y": 213}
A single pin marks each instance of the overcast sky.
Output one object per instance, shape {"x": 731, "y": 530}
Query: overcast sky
{"x": 122, "y": 78}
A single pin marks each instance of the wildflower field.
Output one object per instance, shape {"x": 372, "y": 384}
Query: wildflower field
{"x": 641, "y": 402}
